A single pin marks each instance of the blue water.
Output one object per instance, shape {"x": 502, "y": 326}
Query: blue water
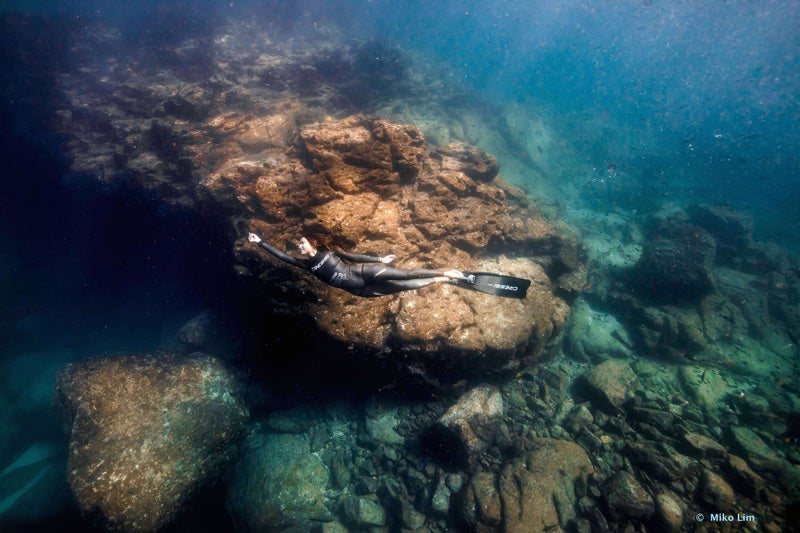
{"x": 681, "y": 102}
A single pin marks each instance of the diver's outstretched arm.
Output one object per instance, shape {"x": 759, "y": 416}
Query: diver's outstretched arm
{"x": 274, "y": 251}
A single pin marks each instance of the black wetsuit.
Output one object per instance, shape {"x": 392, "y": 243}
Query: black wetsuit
{"x": 359, "y": 279}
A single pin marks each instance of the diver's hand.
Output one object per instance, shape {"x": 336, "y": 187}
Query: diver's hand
{"x": 254, "y": 238}
{"x": 386, "y": 259}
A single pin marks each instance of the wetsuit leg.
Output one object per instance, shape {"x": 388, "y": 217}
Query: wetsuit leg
{"x": 392, "y": 286}
{"x": 377, "y": 273}
{"x": 381, "y": 280}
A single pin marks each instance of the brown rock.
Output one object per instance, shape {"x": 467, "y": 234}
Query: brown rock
{"x": 434, "y": 215}
{"x": 372, "y": 187}
{"x": 360, "y": 153}
{"x": 470, "y": 425}
{"x": 669, "y": 511}
{"x": 538, "y": 490}
{"x": 145, "y": 433}
{"x": 627, "y": 498}
{"x": 704, "y": 446}
{"x": 470, "y": 160}
{"x": 613, "y": 382}
{"x": 743, "y": 477}
{"x": 532, "y": 493}
{"x": 717, "y": 492}
{"x": 482, "y": 508}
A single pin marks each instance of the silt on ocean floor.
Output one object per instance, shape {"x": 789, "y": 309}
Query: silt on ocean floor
{"x": 161, "y": 372}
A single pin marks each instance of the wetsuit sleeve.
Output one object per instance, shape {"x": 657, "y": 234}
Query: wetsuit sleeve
{"x": 358, "y": 258}
{"x": 281, "y": 255}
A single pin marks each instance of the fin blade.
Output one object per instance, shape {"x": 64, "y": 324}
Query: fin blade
{"x": 497, "y": 284}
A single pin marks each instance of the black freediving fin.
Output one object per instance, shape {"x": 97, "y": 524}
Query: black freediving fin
{"x": 496, "y": 284}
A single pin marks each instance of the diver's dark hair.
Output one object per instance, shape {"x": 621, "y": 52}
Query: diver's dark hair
{"x": 320, "y": 240}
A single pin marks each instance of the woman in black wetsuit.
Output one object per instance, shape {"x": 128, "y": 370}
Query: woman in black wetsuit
{"x": 358, "y": 278}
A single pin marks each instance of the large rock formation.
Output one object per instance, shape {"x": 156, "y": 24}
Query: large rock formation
{"x": 146, "y": 433}
{"x": 269, "y": 159}
{"x": 371, "y": 186}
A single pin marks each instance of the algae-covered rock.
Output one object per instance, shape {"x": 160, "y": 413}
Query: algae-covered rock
{"x": 732, "y": 230}
{"x": 676, "y": 263}
{"x": 716, "y": 492}
{"x": 365, "y": 184}
{"x": 596, "y": 336}
{"x": 361, "y": 512}
{"x": 469, "y": 426}
{"x": 669, "y": 511}
{"x": 612, "y": 382}
{"x": 145, "y": 433}
{"x": 627, "y": 498}
{"x": 278, "y": 484}
{"x": 539, "y": 491}
{"x": 532, "y": 493}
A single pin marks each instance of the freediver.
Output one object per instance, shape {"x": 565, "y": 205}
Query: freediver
{"x": 357, "y": 275}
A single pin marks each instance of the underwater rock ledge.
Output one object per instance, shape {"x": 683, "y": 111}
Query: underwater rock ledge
{"x": 374, "y": 188}
{"x": 270, "y": 159}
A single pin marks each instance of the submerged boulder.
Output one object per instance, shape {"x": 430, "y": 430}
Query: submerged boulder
{"x": 146, "y": 433}
{"x": 469, "y": 426}
{"x": 532, "y": 493}
{"x": 677, "y": 263}
{"x": 367, "y": 185}
{"x": 278, "y": 484}
{"x": 731, "y": 230}
{"x": 372, "y": 188}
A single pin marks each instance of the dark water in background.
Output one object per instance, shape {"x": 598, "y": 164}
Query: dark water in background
{"x": 702, "y": 94}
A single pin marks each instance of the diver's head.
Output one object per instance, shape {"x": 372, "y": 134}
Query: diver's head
{"x": 306, "y": 248}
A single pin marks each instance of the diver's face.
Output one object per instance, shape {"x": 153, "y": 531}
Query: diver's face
{"x": 306, "y": 248}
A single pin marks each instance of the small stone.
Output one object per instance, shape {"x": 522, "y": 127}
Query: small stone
{"x": 340, "y": 473}
{"x": 411, "y": 518}
{"x": 676, "y": 264}
{"x": 627, "y": 498}
{"x": 440, "y": 501}
{"x": 382, "y": 427}
{"x": 538, "y": 489}
{"x": 366, "y": 485}
{"x": 668, "y": 511}
{"x": 199, "y": 331}
{"x": 332, "y": 527}
{"x": 743, "y": 477}
{"x": 705, "y": 446}
{"x": 481, "y": 504}
{"x": 613, "y": 382}
{"x": 361, "y": 511}
{"x": 579, "y": 418}
{"x": 468, "y": 427}
{"x": 750, "y": 442}
{"x": 390, "y": 453}
{"x": 716, "y": 492}
{"x": 454, "y": 482}
{"x": 319, "y": 439}
{"x": 660, "y": 459}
